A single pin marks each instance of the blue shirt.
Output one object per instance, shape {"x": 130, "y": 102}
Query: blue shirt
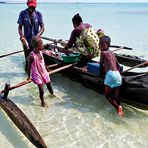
{"x": 30, "y": 30}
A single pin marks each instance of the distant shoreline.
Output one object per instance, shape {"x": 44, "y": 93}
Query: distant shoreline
{"x": 77, "y": 3}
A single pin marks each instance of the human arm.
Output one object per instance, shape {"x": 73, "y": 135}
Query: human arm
{"x": 46, "y": 66}
{"x": 22, "y": 37}
{"x": 101, "y": 63}
{"x": 20, "y": 31}
{"x": 20, "y": 25}
{"x": 41, "y": 24}
{"x": 72, "y": 40}
{"x": 119, "y": 67}
{"x": 42, "y": 29}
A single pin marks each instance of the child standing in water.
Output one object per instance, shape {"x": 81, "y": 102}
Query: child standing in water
{"x": 113, "y": 79}
{"x": 38, "y": 70}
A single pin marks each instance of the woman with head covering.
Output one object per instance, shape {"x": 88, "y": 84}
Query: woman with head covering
{"x": 84, "y": 38}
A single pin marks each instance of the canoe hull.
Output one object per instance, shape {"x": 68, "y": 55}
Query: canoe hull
{"x": 132, "y": 88}
{"x": 130, "y": 61}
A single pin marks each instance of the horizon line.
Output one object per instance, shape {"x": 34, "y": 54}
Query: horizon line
{"x": 73, "y": 2}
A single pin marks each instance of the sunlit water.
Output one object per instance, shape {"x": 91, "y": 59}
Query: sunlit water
{"x": 78, "y": 116}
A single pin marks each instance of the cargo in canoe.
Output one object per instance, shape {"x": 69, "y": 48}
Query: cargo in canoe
{"x": 127, "y": 60}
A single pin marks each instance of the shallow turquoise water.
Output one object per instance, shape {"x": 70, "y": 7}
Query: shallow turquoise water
{"x": 78, "y": 117}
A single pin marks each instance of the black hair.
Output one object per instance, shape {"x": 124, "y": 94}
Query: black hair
{"x": 106, "y": 39}
{"x": 77, "y": 19}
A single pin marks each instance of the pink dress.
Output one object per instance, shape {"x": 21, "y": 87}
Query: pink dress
{"x": 38, "y": 70}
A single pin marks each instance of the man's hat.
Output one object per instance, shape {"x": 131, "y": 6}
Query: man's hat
{"x": 32, "y": 3}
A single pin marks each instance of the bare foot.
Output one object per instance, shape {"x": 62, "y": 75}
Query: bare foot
{"x": 120, "y": 111}
{"x": 52, "y": 95}
{"x": 43, "y": 104}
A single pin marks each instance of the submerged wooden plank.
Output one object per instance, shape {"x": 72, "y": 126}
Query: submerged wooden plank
{"x": 22, "y": 122}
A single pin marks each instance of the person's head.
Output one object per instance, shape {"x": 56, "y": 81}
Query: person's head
{"x": 100, "y": 33}
{"x": 104, "y": 42}
{"x": 37, "y": 43}
{"x": 76, "y": 20}
{"x": 31, "y": 5}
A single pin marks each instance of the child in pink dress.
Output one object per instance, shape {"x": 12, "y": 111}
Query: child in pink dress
{"x": 38, "y": 70}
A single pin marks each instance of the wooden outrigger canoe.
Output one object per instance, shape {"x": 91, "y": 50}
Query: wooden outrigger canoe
{"x": 22, "y": 122}
{"x": 134, "y": 88}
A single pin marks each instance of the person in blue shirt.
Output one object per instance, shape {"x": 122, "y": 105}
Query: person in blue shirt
{"x": 30, "y": 24}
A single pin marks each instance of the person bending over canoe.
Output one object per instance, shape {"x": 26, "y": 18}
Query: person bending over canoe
{"x": 38, "y": 70}
{"x": 113, "y": 79}
{"x": 84, "y": 38}
{"x": 30, "y": 24}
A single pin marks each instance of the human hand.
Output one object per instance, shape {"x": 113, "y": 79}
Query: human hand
{"x": 37, "y": 36}
{"x": 48, "y": 70}
{"x": 65, "y": 48}
{"x": 28, "y": 78}
{"x": 24, "y": 42}
{"x": 22, "y": 38}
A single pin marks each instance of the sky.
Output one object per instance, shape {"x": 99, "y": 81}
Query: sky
{"x": 69, "y": 1}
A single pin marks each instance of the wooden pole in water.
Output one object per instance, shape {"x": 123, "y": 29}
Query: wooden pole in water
{"x": 53, "y": 65}
{"x": 22, "y": 122}
{"x": 145, "y": 63}
{"x": 11, "y": 53}
{"x": 122, "y": 47}
{"x": 28, "y": 81}
{"x": 61, "y": 68}
{"x": 54, "y": 40}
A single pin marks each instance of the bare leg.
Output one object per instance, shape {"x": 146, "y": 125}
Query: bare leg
{"x": 50, "y": 88}
{"x": 109, "y": 95}
{"x": 117, "y": 94}
{"x": 41, "y": 91}
{"x": 117, "y": 98}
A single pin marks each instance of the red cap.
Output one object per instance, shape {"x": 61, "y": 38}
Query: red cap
{"x": 32, "y": 3}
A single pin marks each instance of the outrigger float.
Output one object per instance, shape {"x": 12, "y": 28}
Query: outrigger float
{"x": 20, "y": 119}
{"x": 135, "y": 85}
